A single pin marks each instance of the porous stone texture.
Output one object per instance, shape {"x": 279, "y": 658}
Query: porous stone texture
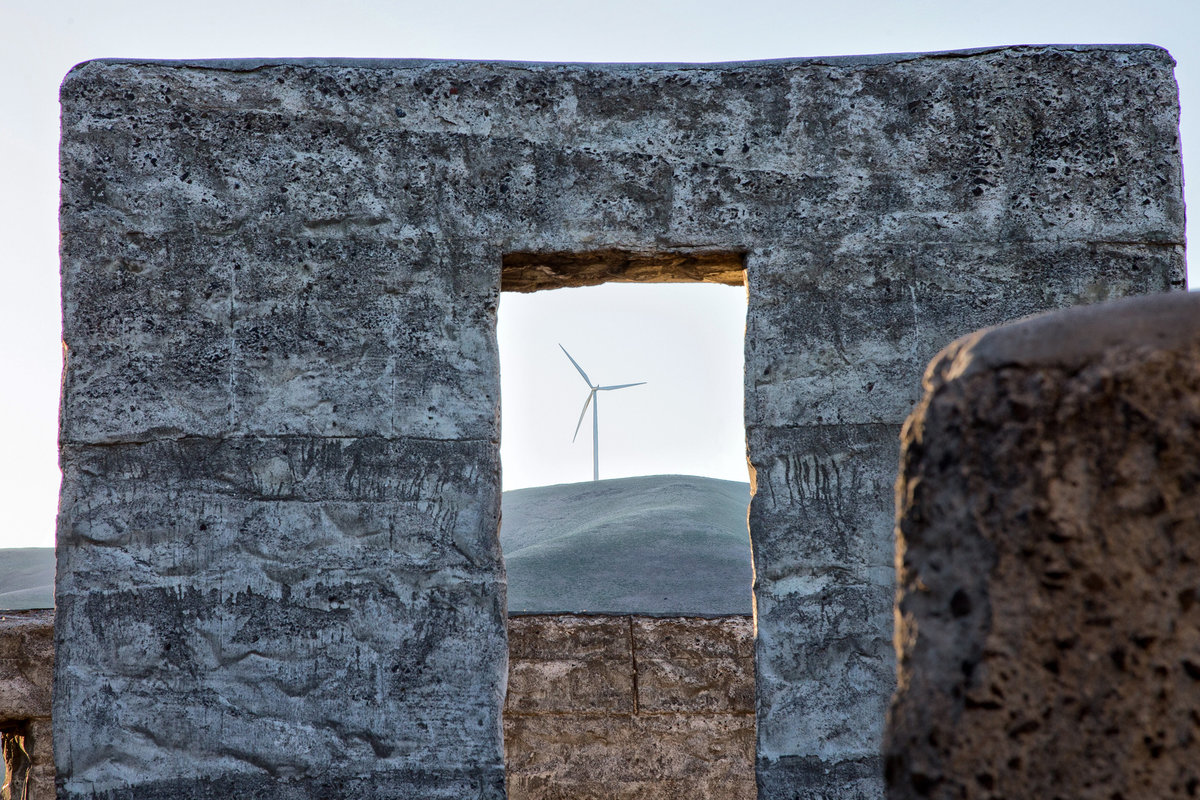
{"x": 630, "y": 707}
{"x": 278, "y": 570}
{"x": 1048, "y": 547}
{"x": 26, "y": 677}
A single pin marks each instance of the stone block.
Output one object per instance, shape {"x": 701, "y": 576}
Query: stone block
{"x": 1048, "y": 546}
{"x": 813, "y": 778}
{"x": 26, "y": 664}
{"x": 849, "y": 353}
{"x": 39, "y": 741}
{"x": 567, "y": 664}
{"x": 286, "y": 515}
{"x": 824, "y": 493}
{"x": 625, "y": 756}
{"x": 824, "y": 697}
{"x": 694, "y": 665}
{"x": 302, "y": 590}
{"x": 26, "y": 678}
{"x": 629, "y": 707}
{"x": 257, "y": 335}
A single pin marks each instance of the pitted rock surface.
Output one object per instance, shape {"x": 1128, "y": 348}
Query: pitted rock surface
{"x": 1048, "y": 547}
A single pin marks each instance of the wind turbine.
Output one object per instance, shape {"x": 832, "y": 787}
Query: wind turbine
{"x": 595, "y": 403}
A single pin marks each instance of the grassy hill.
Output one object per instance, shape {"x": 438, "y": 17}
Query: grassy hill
{"x": 660, "y": 545}
{"x": 26, "y": 578}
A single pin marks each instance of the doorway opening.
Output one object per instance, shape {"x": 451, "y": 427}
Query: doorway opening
{"x": 631, "y": 645}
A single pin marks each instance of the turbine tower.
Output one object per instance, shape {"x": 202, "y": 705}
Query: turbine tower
{"x": 595, "y": 403}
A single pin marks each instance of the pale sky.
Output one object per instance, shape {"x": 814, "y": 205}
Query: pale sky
{"x": 684, "y": 341}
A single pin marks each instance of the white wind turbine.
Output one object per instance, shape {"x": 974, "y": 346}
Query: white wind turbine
{"x": 595, "y": 402}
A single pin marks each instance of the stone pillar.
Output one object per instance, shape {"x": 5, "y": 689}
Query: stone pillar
{"x": 279, "y": 572}
{"x": 26, "y": 676}
{"x": 1048, "y": 548}
{"x": 868, "y": 285}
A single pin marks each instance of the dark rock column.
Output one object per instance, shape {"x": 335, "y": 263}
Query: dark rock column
{"x": 1048, "y": 548}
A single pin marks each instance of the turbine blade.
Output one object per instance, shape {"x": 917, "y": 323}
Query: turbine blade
{"x": 620, "y": 386}
{"x": 586, "y": 379}
{"x": 587, "y": 402}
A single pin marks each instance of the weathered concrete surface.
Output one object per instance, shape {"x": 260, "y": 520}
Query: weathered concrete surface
{"x": 630, "y": 707}
{"x": 26, "y": 677}
{"x": 1048, "y": 547}
{"x": 279, "y": 436}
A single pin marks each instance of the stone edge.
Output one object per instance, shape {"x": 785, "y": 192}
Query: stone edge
{"x": 1069, "y": 338}
{"x": 253, "y": 64}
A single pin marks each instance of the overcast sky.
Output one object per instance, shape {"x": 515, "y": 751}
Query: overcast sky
{"x": 684, "y": 341}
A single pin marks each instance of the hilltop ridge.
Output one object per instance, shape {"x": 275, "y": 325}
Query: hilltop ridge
{"x": 664, "y": 545}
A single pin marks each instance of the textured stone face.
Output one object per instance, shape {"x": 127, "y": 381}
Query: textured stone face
{"x": 630, "y": 707}
{"x": 1048, "y": 547}
{"x": 26, "y": 675}
{"x": 278, "y": 568}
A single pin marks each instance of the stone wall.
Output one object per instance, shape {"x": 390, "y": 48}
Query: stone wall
{"x": 1048, "y": 547}
{"x": 279, "y": 441}
{"x": 26, "y": 677}
{"x": 597, "y": 707}
{"x": 630, "y": 707}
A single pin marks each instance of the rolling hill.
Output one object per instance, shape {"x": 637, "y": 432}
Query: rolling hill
{"x": 26, "y": 578}
{"x": 660, "y": 545}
